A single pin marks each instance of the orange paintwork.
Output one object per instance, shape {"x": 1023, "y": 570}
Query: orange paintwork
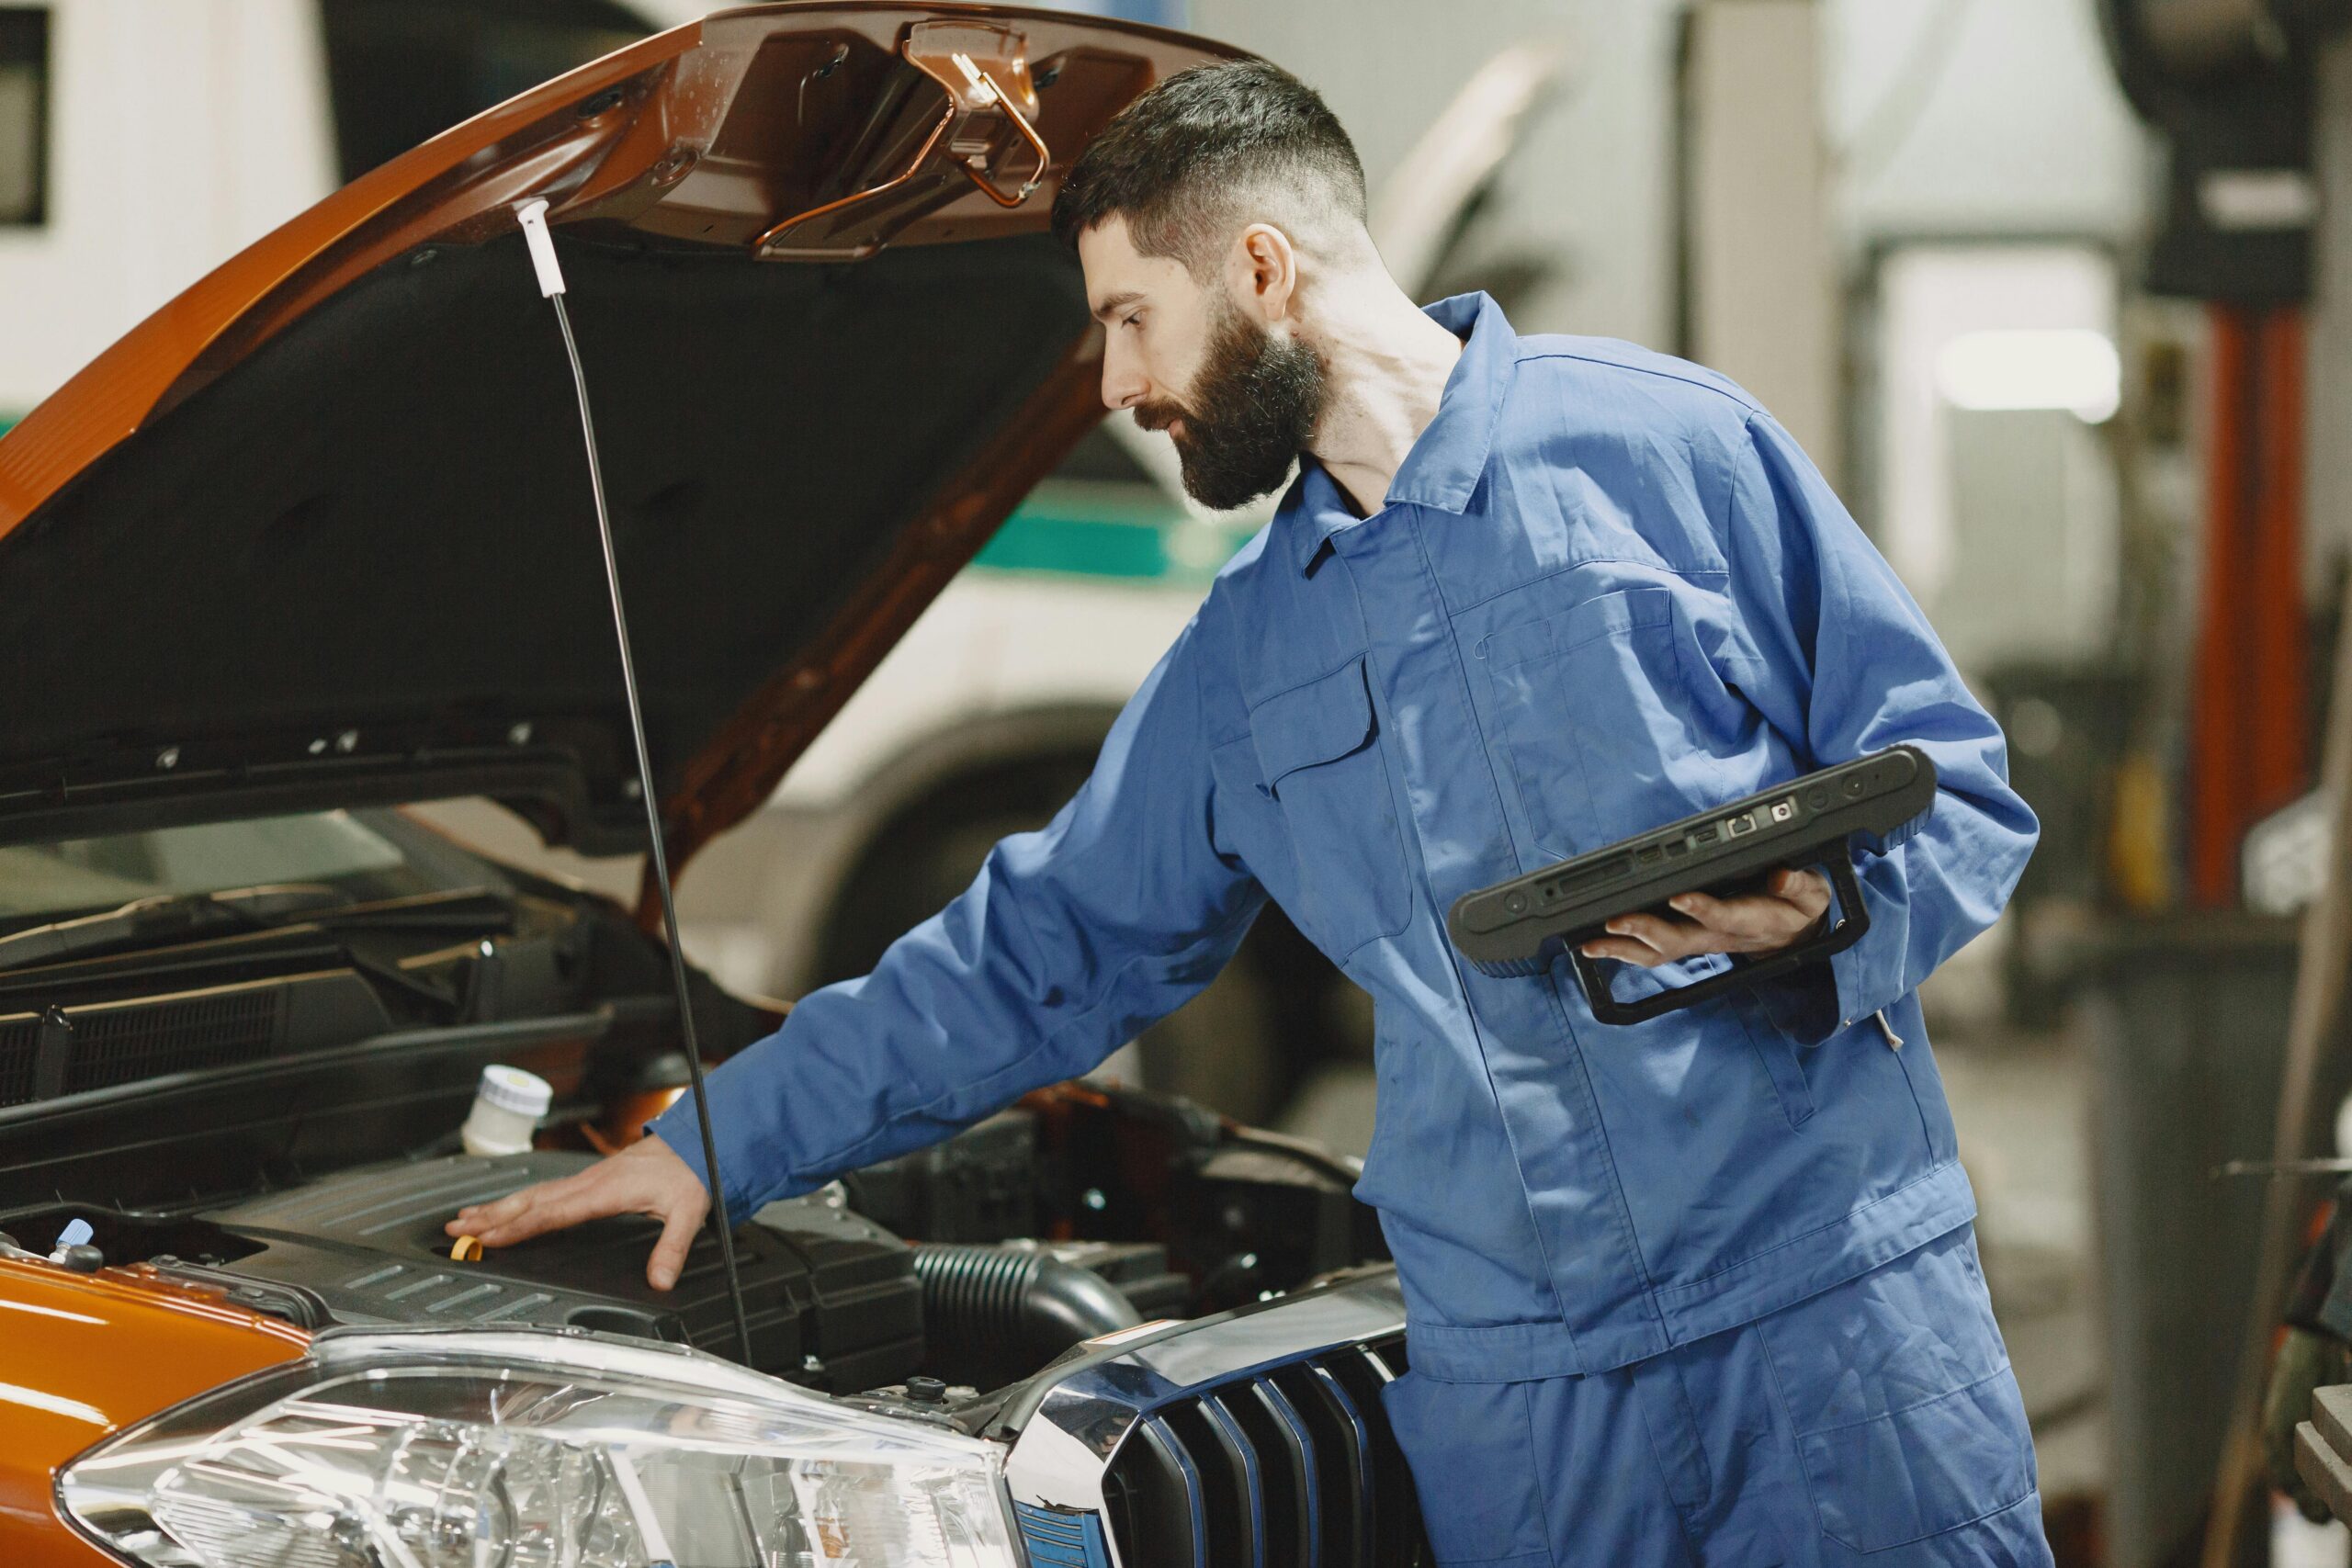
{"x": 717, "y": 132}
{"x": 84, "y": 1355}
{"x": 325, "y": 246}
{"x": 624, "y": 1119}
{"x": 698, "y": 142}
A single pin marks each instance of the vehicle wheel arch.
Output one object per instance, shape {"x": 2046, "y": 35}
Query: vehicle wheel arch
{"x": 942, "y": 765}
{"x": 1244, "y": 1046}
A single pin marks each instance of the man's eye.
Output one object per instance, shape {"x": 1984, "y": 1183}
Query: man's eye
{"x": 1130, "y": 320}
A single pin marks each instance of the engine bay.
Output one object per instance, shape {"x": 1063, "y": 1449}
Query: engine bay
{"x": 260, "y": 1095}
{"x": 1085, "y": 1210}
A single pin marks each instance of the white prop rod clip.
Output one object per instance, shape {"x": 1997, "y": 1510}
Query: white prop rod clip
{"x": 534, "y": 235}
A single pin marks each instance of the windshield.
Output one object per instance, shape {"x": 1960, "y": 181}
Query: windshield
{"x": 352, "y": 851}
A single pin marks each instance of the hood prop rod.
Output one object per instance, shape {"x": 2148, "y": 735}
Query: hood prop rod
{"x": 534, "y": 217}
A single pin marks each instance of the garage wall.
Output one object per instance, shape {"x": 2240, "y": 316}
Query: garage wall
{"x": 2010, "y": 123}
{"x": 1981, "y": 117}
{"x": 1588, "y": 191}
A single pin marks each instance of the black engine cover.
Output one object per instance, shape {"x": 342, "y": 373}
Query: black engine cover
{"x": 831, "y": 1298}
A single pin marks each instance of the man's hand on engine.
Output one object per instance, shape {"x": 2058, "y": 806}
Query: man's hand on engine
{"x": 1791, "y": 904}
{"x": 644, "y": 1178}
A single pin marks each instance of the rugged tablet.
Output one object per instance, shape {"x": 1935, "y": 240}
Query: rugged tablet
{"x": 1871, "y": 805}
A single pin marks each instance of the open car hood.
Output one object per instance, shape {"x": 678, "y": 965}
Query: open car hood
{"x": 318, "y": 531}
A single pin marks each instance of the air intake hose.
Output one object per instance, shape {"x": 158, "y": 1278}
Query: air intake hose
{"x": 1012, "y": 1304}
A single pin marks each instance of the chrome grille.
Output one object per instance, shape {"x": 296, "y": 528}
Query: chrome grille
{"x": 1292, "y": 1466}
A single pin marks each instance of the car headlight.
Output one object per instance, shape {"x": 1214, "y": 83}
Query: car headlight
{"x": 534, "y": 1450}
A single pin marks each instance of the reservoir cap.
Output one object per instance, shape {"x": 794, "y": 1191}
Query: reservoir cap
{"x": 512, "y": 1088}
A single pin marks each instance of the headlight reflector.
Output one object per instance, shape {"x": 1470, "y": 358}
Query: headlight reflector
{"x": 535, "y": 1449}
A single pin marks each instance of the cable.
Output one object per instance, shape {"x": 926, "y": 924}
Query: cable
{"x": 535, "y": 231}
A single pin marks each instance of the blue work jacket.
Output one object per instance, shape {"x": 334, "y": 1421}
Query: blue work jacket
{"x": 1606, "y": 591}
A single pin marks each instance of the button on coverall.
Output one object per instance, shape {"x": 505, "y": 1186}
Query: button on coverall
{"x": 1699, "y": 1289}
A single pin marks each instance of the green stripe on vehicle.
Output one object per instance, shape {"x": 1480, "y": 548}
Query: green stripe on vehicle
{"x": 1032, "y": 541}
{"x": 1090, "y": 531}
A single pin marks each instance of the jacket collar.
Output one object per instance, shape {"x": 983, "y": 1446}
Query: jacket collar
{"x": 1442, "y": 471}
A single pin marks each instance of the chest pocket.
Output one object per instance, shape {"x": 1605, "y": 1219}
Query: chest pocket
{"x": 1605, "y": 728}
{"x": 1318, "y": 758}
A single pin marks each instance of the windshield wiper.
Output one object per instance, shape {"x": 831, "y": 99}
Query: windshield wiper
{"x": 168, "y": 918}
{"x": 164, "y": 918}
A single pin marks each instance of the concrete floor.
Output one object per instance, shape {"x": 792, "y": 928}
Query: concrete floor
{"x": 2022, "y": 1104}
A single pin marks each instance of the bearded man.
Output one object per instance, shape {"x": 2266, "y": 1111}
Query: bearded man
{"x": 1698, "y": 1289}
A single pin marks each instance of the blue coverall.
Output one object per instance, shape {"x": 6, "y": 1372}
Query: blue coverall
{"x": 1698, "y": 1290}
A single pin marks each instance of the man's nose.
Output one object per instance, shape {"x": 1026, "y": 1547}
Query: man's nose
{"x": 1123, "y": 383}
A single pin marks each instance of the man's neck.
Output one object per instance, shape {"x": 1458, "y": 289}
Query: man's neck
{"x": 1386, "y": 364}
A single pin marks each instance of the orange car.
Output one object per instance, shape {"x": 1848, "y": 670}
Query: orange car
{"x": 313, "y": 543}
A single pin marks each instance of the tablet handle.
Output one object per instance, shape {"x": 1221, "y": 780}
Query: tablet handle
{"x": 1853, "y": 921}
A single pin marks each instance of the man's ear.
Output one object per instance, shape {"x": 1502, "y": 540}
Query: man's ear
{"x": 1262, "y": 271}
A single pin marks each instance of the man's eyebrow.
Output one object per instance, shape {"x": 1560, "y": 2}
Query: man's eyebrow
{"x": 1114, "y": 303}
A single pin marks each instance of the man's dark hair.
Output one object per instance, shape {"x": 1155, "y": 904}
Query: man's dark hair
{"x": 1183, "y": 162}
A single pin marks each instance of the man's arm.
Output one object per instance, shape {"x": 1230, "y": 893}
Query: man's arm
{"x": 1070, "y": 939}
{"x": 1836, "y": 656}
{"x": 1849, "y": 665}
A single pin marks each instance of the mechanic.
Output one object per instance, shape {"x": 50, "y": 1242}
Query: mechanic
{"x": 1700, "y": 1290}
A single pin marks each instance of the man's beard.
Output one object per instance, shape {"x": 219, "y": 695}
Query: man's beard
{"x": 1251, "y": 411}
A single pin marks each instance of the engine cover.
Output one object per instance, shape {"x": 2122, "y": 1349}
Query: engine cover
{"x": 831, "y": 1298}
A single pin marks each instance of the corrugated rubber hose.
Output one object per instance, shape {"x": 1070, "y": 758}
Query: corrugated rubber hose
{"x": 1011, "y": 1301}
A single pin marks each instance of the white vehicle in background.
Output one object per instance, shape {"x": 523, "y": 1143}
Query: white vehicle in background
{"x": 144, "y": 141}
